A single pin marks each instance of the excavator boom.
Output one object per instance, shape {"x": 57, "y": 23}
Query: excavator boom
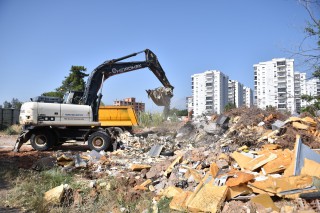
{"x": 161, "y": 96}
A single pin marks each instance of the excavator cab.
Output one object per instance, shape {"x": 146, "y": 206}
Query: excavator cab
{"x": 72, "y": 97}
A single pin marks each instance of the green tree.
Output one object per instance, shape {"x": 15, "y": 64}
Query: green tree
{"x": 178, "y": 112}
{"x": 229, "y": 106}
{"x": 73, "y": 82}
{"x": 15, "y": 103}
{"x": 7, "y": 104}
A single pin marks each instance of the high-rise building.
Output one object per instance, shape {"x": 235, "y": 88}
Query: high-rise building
{"x": 247, "y": 97}
{"x": 277, "y": 84}
{"x": 137, "y": 106}
{"x": 189, "y": 103}
{"x": 312, "y": 88}
{"x": 209, "y": 92}
{"x": 235, "y": 93}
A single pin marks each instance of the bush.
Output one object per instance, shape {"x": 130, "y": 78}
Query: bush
{"x": 147, "y": 119}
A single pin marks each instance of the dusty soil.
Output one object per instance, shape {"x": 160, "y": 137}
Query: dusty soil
{"x": 10, "y": 162}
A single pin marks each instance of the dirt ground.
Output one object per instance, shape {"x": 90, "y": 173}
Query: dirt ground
{"x": 23, "y": 160}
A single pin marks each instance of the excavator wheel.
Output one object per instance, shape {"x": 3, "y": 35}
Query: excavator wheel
{"x": 41, "y": 140}
{"x": 99, "y": 141}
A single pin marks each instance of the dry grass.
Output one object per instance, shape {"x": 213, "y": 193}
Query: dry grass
{"x": 13, "y": 130}
{"x": 28, "y": 190}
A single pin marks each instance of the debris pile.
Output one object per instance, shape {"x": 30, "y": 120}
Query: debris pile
{"x": 249, "y": 160}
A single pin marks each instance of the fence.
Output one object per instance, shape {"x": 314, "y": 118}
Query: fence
{"x": 8, "y": 117}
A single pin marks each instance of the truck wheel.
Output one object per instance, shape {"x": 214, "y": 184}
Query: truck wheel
{"x": 41, "y": 140}
{"x": 99, "y": 141}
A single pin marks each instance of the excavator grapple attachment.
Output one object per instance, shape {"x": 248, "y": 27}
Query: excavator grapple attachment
{"x": 161, "y": 96}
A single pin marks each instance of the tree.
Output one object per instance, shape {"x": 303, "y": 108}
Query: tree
{"x": 15, "y": 103}
{"x": 311, "y": 54}
{"x": 177, "y": 112}
{"x": 73, "y": 82}
{"x": 229, "y": 107}
{"x": 7, "y": 104}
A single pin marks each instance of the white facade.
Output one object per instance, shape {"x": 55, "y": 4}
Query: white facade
{"x": 189, "y": 103}
{"x": 247, "y": 97}
{"x": 312, "y": 88}
{"x": 277, "y": 85}
{"x": 209, "y": 92}
{"x": 235, "y": 93}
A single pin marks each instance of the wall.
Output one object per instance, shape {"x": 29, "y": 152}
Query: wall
{"x": 8, "y": 117}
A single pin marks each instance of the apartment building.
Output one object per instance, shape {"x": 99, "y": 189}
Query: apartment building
{"x": 209, "y": 92}
{"x": 189, "y": 103}
{"x": 276, "y": 84}
{"x": 138, "y": 106}
{"x": 247, "y": 97}
{"x": 235, "y": 93}
{"x": 312, "y": 88}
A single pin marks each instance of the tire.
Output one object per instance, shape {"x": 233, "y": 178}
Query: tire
{"x": 115, "y": 131}
{"x": 41, "y": 140}
{"x": 99, "y": 141}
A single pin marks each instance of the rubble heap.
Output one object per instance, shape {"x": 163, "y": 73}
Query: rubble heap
{"x": 249, "y": 160}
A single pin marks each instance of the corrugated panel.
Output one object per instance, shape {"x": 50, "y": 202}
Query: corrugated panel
{"x": 8, "y": 117}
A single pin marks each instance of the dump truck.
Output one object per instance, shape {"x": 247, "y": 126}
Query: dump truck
{"x": 77, "y": 117}
{"x": 118, "y": 117}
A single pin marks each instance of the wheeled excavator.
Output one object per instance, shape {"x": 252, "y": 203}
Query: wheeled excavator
{"x": 50, "y": 124}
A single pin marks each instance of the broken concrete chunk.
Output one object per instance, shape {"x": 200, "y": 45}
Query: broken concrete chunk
{"x": 139, "y": 167}
{"x": 94, "y": 155}
{"x": 222, "y": 164}
{"x": 172, "y": 191}
{"x": 44, "y": 164}
{"x": 277, "y": 125}
{"x": 55, "y": 195}
{"x": 79, "y": 162}
{"x": 223, "y": 120}
{"x": 208, "y": 199}
{"x": 179, "y": 201}
{"x": 266, "y": 201}
{"x": 155, "y": 150}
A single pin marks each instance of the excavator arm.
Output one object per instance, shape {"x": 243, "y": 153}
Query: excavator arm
{"x": 160, "y": 96}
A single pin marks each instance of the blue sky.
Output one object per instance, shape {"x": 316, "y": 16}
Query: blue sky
{"x": 41, "y": 40}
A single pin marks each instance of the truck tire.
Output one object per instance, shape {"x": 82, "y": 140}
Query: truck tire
{"x": 99, "y": 141}
{"x": 41, "y": 140}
